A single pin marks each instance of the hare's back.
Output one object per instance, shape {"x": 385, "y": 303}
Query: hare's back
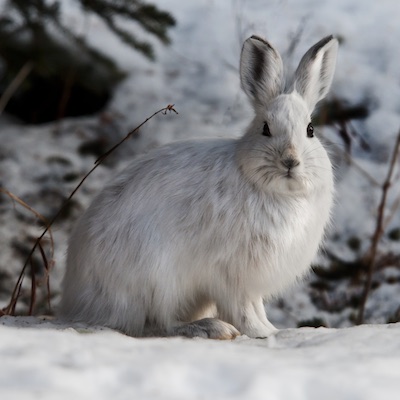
{"x": 165, "y": 182}
{"x": 176, "y": 169}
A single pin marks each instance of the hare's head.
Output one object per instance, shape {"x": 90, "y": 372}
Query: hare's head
{"x": 280, "y": 148}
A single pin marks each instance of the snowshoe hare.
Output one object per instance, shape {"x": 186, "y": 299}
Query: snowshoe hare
{"x": 192, "y": 238}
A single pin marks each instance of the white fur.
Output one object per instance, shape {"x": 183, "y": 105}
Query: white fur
{"x": 210, "y": 228}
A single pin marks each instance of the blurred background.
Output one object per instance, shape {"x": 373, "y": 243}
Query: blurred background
{"x": 76, "y": 76}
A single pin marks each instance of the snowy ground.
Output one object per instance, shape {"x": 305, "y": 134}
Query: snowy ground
{"x": 199, "y": 74}
{"x": 46, "y": 360}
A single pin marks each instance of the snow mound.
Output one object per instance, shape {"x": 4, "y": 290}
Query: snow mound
{"x": 47, "y": 359}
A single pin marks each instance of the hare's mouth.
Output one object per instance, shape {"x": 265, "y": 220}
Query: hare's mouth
{"x": 292, "y": 182}
{"x": 289, "y": 175}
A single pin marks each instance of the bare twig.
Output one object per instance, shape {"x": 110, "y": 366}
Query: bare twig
{"x": 33, "y": 286}
{"x": 170, "y": 107}
{"x": 33, "y": 211}
{"x": 48, "y": 268}
{"x": 15, "y": 84}
{"x": 17, "y": 288}
{"x": 351, "y": 161}
{"x": 393, "y": 210}
{"x": 371, "y": 255}
{"x": 10, "y": 308}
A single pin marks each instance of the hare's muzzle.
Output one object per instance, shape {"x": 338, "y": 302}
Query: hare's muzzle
{"x": 290, "y": 162}
{"x": 289, "y": 158}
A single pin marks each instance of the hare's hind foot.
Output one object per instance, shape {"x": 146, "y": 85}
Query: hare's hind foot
{"x": 208, "y": 328}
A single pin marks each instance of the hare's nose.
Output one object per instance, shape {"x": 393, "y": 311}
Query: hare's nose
{"x": 290, "y": 162}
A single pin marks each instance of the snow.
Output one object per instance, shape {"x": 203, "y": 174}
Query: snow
{"x": 49, "y": 360}
{"x": 46, "y": 359}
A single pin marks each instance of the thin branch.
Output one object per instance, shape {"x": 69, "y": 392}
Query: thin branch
{"x": 18, "y": 286}
{"x": 394, "y": 207}
{"x": 33, "y": 287}
{"x": 33, "y": 211}
{"x": 351, "y": 161}
{"x": 10, "y": 308}
{"x": 15, "y": 84}
{"x": 170, "y": 107}
{"x": 378, "y": 232}
{"x": 47, "y": 267}
{"x": 393, "y": 211}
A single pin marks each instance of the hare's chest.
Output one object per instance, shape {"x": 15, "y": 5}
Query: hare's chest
{"x": 285, "y": 242}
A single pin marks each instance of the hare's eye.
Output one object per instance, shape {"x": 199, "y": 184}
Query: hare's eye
{"x": 310, "y": 131}
{"x": 266, "y": 131}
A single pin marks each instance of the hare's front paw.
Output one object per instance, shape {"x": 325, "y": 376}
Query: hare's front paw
{"x": 250, "y": 318}
{"x": 259, "y": 332}
{"x": 257, "y": 326}
{"x": 211, "y": 328}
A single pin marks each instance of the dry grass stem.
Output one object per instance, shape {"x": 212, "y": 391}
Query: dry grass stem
{"x": 47, "y": 264}
{"x": 351, "y": 161}
{"x": 372, "y": 252}
{"x": 10, "y": 308}
{"x": 15, "y": 84}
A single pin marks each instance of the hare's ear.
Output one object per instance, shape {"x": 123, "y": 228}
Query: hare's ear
{"x": 261, "y": 71}
{"x": 314, "y": 74}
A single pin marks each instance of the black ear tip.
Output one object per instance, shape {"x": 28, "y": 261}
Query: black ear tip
{"x": 314, "y": 50}
{"x": 260, "y": 39}
{"x": 255, "y": 37}
{"x": 328, "y": 39}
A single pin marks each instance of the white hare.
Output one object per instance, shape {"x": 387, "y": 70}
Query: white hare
{"x": 194, "y": 236}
